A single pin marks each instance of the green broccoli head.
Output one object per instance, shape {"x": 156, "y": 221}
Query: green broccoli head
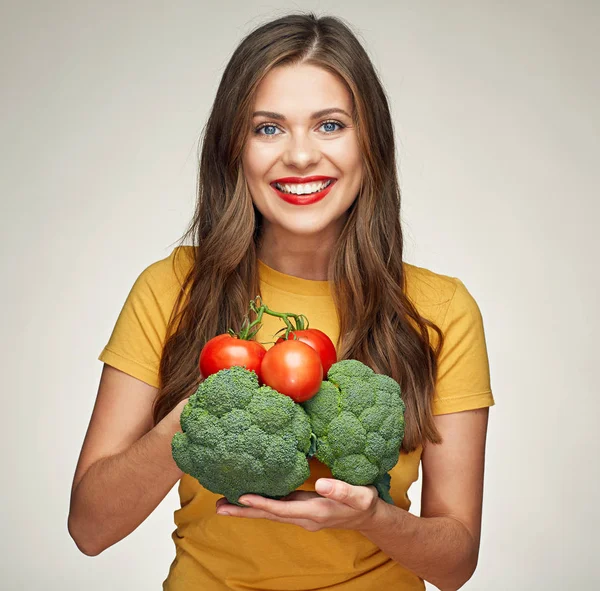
{"x": 358, "y": 419}
{"x": 239, "y": 437}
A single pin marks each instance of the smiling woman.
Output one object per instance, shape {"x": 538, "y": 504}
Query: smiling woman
{"x": 298, "y": 202}
{"x": 294, "y": 131}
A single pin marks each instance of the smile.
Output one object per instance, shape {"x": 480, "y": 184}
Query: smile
{"x": 303, "y": 193}
{"x": 303, "y": 188}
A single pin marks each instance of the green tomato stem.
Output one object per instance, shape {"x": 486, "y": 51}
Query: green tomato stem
{"x": 246, "y": 333}
{"x": 299, "y": 319}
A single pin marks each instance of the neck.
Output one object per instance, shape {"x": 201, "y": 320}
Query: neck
{"x": 303, "y": 257}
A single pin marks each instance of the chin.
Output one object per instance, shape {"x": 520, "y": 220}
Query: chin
{"x": 304, "y": 227}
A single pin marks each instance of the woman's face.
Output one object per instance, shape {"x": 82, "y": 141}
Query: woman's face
{"x": 291, "y": 141}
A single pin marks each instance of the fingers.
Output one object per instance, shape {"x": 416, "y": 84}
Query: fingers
{"x": 300, "y": 495}
{"x": 361, "y": 498}
{"x": 277, "y": 512}
{"x": 221, "y": 501}
{"x": 294, "y": 506}
{"x": 342, "y": 505}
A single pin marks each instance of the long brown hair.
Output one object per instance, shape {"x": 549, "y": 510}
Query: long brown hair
{"x": 366, "y": 268}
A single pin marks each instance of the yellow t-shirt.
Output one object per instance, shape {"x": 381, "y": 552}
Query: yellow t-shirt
{"x": 223, "y": 553}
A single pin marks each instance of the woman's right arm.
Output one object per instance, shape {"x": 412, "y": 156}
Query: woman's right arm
{"x": 125, "y": 468}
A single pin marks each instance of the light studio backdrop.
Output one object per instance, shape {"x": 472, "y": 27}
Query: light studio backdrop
{"x": 496, "y": 116}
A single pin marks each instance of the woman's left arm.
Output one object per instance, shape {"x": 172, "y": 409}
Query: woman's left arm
{"x": 442, "y": 545}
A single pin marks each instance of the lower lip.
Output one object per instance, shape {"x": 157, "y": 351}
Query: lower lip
{"x": 303, "y": 199}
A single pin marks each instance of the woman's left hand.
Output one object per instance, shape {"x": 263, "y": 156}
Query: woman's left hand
{"x": 336, "y": 504}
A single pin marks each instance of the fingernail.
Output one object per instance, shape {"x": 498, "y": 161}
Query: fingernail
{"x": 245, "y": 502}
{"x": 223, "y": 513}
{"x": 324, "y": 486}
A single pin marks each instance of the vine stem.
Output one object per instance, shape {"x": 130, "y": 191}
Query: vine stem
{"x": 246, "y": 333}
{"x": 260, "y": 308}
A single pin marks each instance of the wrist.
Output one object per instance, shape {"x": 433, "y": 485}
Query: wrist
{"x": 167, "y": 428}
{"x": 384, "y": 518}
{"x": 173, "y": 419}
{"x": 171, "y": 422}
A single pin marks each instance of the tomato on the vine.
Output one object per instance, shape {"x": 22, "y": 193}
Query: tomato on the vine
{"x": 320, "y": 342}
{"x": 225, "y": 351}
{"x": 292, "y": 368}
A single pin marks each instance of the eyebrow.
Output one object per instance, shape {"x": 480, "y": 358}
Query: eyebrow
{"x": 317, "y": 115}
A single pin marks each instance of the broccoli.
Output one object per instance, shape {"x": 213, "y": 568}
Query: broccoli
{"x": 358, "y": 419}
{"x": 239, "y": 437}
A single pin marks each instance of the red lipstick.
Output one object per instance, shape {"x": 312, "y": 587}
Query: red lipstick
{"x": 303, "y": 199}
{"x": 302, "y": 179}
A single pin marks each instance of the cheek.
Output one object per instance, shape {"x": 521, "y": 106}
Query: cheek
{"x": 347, "y": 157}
{"x": 257, "y": 160}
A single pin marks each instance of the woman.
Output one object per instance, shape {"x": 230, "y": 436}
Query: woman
{"x": 298, "y": 99}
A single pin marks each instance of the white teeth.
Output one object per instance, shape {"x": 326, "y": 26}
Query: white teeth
{"x": 304, "y": 188}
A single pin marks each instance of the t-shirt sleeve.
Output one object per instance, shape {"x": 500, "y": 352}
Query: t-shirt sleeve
{"x": 463, "y": 381}
{"x": 136, "y": 343}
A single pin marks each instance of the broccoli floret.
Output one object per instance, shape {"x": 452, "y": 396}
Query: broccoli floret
{"x": 358, "y": 419}
{"x": 239, "y": 437}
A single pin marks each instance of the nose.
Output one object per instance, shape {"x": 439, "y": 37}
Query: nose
{"x": 301, "y": 152}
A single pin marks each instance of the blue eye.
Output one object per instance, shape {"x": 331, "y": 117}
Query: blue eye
{"x": 270, "y": 129}
{"x": 266, "y": 126}
{"x": 331, "y": 124}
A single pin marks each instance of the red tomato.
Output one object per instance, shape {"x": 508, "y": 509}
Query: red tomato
{"x": 320, "y": 342}
{"x": 225, "y": 351}
{"x": 294, "y": 369}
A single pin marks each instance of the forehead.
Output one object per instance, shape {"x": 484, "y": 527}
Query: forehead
{"x": 301, "y": 89}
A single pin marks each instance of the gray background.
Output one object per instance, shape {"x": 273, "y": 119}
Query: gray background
{"x": 496, "y": 115}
